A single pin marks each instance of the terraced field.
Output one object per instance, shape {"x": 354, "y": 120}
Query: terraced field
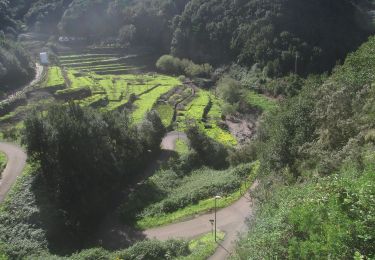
{"x": 205, "y": 112}
{"x": 110, "y": 82}
{"x": 194, "y": 106}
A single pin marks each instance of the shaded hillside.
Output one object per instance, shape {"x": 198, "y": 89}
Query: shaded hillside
{"x": 270, "y": 33}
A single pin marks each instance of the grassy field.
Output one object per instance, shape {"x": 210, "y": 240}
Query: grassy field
{"x": 260, "y": 101}
{"x": 54, "y": 77}
{"x": 165, "y": 112}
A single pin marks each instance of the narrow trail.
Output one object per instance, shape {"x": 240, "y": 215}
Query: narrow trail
{"x": 15, "y": 165}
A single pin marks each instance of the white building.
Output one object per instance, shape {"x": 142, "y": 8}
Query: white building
{"x": 44, "y": 58}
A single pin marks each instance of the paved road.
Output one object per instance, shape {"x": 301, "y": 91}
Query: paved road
{"x": 231, "y": 220}
{"x": 16, "y": 164}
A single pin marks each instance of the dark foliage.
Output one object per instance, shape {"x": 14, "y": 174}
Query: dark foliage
{"x": 88, "y": 158}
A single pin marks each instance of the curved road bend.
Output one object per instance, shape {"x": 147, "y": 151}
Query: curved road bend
{"x": 231, "y": 220}
{"x": 15, "y": 165}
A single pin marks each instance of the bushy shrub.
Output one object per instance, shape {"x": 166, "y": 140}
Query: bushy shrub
{"x": 173, "y": 65}
{"x": 155, "y": 250}
{"x": 230, "y": 89}
{"x": 92, "y": 254}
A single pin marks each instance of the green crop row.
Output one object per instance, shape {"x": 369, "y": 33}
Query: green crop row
{"x": 210, "y": 125}
{"x": 54, "y": 77}
{"x": 147, "y": 101}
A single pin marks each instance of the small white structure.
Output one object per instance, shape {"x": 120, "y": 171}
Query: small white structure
{"x": 44, "y": 58}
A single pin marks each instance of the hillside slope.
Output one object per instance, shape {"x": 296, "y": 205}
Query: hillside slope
{"x": 318, "y": 192}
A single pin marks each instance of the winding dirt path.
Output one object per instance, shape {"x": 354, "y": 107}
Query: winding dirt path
{"x": 15, "y": 165}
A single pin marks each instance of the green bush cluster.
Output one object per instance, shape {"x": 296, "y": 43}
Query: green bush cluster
{"x": 144, "y": 250}
{"x": 176, "y": 66}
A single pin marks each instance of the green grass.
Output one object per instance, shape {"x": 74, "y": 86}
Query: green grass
{"x": 260, "y": 101}
{"x": 54, "y": 77}
{"x": 3, "y": 162}
{"x": 202, "y": 206}
{"x": 203, "y": 247}
{"x": 194, "y": 110}
{"x": 78, "y": 80}
{"x": 165, "y": 112}
{"x": 182, "y": 147}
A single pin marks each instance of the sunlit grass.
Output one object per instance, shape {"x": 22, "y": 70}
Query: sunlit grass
{"x": 203, "y": 247}
{"x": 165, "y": 112}
{"x": 193, "y": 115}
{"x": 54, "y": 77}
{"x": 182, "y": 147}
{"x": 260, "y": 101}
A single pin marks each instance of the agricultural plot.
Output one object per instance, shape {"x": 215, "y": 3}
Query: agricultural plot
{"x": 205, "y": 112}
{"x": 107, "y": 82}
{"x": 101, "y": 80}
{"x": 55, "y": 78}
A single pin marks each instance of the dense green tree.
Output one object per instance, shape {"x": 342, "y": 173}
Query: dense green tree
{"x": 87, "y": 158}
{"x": 16, "y": 67}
